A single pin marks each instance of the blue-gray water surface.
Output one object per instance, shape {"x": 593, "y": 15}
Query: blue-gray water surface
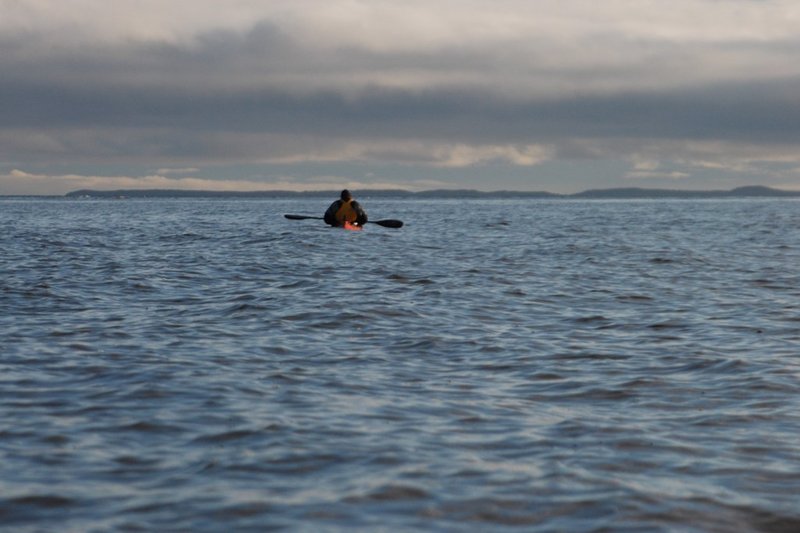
{"x": 208, "y": 365}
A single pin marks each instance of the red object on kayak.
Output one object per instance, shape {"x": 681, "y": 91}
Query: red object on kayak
{"x": 352, "y": 227}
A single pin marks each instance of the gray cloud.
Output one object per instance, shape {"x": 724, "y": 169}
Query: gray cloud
{"x": 757, "y": 111}
{"x": 394, "y": 84}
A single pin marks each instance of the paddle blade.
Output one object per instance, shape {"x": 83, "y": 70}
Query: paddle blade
{"x": 389, "y": 223}
{"x": 300, "y": 217}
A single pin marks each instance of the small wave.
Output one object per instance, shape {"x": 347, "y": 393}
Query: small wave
{"x": 44, "y": 501}
{"x": 577, "y": 356}
{"x": 390, "y": 493}
{"x": 299, "y": 463}
{"x": 144, "y": 426}
{"x": 33, "y": 507}
{"x": 142, "y": 286}
{"x": 226, "y": 436}
{"x": 602, "y": 394}
{"x": 716, "y": 366}
{"x": 590, "y": 319}
{"x": 245, "y": 309}
{"x": 668, "y": 324}
{"x": 498, "y": 512}
{"x": 294, "y": 284}
{"x": 400, "y": 278}
{"x": 634, "y": 298}
{"x": 56, "y": 440}
{"x": 135, "y": 461}
{"x": 183, "y": 237}
{"x": 81, "y": 347}
{"x": 243, "y": 510}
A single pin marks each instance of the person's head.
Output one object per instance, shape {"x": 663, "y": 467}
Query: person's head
{"x": 346, "y": 196}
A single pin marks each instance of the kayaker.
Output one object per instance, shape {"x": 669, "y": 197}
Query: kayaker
{"x": 345, "y": 210}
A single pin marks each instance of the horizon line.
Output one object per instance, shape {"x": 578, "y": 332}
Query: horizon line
{"x": 747, "y": 190}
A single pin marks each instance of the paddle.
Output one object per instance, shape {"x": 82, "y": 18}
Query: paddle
{"x": 385, "y": 223}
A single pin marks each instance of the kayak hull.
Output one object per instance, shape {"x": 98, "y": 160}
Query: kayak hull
{"x": 352, "y": 227}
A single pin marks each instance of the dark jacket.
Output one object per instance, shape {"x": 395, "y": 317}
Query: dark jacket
{"x": 330, "y": 214}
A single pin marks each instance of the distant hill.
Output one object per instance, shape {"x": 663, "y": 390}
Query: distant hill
{"x": 618, "y": 193}
{"x": 758, "y": 190}
{"x": 179, "y": 193}
{"x": 634, "y": 192}
{"x": 471, "y": 193}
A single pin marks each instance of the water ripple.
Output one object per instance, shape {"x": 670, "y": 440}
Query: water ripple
{"x": 175, "y": 365}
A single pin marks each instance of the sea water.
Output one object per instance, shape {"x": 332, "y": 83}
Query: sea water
{"x": 519, "y": 364}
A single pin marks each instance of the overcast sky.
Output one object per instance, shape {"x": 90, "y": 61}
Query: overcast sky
{"x": 560, "y": 95}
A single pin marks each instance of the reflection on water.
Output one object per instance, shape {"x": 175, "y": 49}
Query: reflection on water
{"x": 567, "y": 365}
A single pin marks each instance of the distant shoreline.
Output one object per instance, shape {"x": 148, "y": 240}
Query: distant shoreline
{"x": 609, "y": 194}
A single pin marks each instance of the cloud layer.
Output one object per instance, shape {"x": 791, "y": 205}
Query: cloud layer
{"x": 673, "y": 91}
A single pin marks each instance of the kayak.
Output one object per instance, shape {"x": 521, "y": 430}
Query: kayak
{"x": 352, "y": 227}
{"x": 390, "y": 223}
